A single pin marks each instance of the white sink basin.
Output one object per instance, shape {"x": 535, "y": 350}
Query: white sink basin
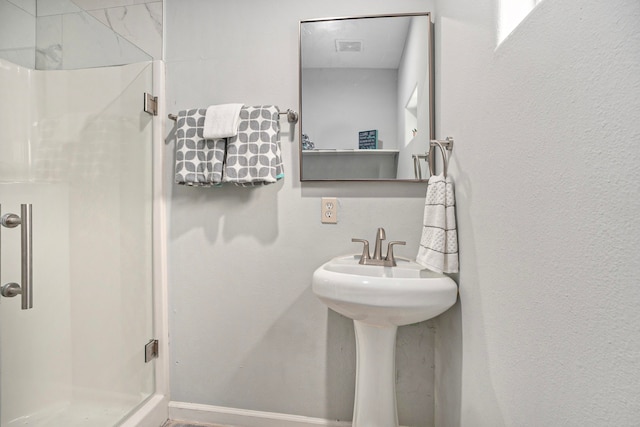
{"x": 383, "y": 296}
{"x": 379, "y": 299}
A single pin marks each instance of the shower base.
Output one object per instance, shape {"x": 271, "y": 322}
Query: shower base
{"x": 83, "y": 411}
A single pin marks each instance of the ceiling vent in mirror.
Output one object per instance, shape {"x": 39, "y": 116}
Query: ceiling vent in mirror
{"x": 348, "y": 45}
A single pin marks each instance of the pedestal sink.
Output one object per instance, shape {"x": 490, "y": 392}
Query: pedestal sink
{"x": 379, "y": 299}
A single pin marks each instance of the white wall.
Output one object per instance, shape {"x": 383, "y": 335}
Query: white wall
{"x": 246, "y": 330}
{"x": 546, "y": 164}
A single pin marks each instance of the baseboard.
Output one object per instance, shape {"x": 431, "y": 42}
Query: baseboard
{"x": 181, "y": 411}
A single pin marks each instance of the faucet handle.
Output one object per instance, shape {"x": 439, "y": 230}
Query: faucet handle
{"x": 390, "y": 256}
{"x": 365, "y": 249}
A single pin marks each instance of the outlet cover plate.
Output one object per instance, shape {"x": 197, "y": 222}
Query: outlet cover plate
{"x": 329, "y": 210}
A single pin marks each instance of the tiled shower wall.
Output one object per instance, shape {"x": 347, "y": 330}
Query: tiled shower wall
{"x": 18, "y": 31}
{"x": 66, "y": 34}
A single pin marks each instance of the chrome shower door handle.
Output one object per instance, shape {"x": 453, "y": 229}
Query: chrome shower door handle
{"x": 27, "y": 257}
{"x": 13, "y": 289}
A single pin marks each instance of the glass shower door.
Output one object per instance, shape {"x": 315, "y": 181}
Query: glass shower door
{"x": 76, "y": 147}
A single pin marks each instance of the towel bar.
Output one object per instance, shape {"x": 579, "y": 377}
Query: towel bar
{"x": 292, "y": 116}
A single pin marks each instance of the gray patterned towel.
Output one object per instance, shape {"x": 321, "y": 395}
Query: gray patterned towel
{"x": 199, "y": 161}
{"x": 253, "y": 156}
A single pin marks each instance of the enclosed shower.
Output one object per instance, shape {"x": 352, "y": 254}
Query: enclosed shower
{"x": 77, "y": 231}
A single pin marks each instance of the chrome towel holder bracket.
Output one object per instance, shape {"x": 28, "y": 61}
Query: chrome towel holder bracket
{"x": 447, "y": 143}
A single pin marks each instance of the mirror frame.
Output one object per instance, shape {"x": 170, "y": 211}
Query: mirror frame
{"x": 431, "y": 67}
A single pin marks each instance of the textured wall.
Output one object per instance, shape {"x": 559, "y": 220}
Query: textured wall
{"x": 546, "y": 165}
{"x": 246, "y": 330}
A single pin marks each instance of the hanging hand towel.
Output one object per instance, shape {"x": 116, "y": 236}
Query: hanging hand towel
{"x": 439, "y": 243}
{"x": 253, "y": 156}
{"x": 199, "y": 161}
{"x": 221, "y": 121}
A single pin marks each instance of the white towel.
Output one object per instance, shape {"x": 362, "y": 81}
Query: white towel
{"x": 221, "y": 121}
{"x": 439, "y": 243}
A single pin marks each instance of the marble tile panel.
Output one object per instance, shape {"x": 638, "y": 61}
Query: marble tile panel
{"x": 140, "y": 24}
{"x": 24, "y": 57}
{"x": 28, "y": 6}
{"x": 49, "y": 43}
{"x": 17, "y": 27}
{"x": 89, "y": 43}
{"x": 56, "y": 7}
{"x": 105, "y": 4}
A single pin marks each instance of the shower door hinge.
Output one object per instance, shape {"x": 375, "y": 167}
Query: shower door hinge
{"x": 150, "y": 104}
{"x": 151, "y": 351}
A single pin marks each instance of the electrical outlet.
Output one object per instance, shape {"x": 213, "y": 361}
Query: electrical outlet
{"x": 329, "y": 210}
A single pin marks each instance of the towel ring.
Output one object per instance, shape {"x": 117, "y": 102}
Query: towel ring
{"x": 446, "y": 147}
{"x": 445, "y": 158}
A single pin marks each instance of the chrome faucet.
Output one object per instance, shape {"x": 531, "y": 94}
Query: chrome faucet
{"x": 387, "y": 261}
{"x": 380, "y": 236}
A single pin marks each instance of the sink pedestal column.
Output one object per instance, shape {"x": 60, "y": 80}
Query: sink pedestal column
{"x": 375, "y": 400}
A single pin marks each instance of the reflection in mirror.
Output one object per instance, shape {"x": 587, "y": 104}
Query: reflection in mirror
{"x": 366, "y": 97}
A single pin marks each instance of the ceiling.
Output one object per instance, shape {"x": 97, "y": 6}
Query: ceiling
{"x": 382, "y": 38}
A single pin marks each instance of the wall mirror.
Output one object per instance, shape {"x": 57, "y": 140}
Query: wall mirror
{"x": 366, "y": 98}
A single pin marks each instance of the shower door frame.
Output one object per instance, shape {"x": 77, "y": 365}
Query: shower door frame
{"x": 155, "y": 410}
